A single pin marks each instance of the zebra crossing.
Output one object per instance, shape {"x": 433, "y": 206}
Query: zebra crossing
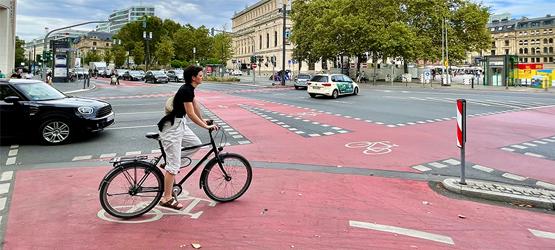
{"x": 6, "y": 179}
{"x": 451, "y": 167}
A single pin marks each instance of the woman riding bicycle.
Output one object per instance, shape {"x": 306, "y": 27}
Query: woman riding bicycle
{"x": 175, "y": 133}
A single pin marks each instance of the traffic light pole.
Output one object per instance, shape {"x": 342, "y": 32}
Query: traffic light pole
{"x": 284, "y": 10}
{"x": 54, "y": 30}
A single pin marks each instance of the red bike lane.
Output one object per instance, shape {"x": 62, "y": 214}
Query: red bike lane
{"x": 301, "y": 209}
{"x": 282, "y": 209}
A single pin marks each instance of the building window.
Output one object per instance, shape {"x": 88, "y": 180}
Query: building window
{"x": 545, "y": 59}
{"x": 532, "y": 59}
{"x": 107, "y": 45}
{"x": 533, "y": 51}
{"x": 544, "y": 40}
{"x": 519, "y": 42}
{"x": 551, "y": 59}
{"x": 267, "y": 40}
{"x": 260, "y": 42}
{"x": 525, "y": 60}
{"x": 520, "y": 51}
{"x": 506, "y": 42}
{"x": 275, "y": 39}
{"x": 94, "y": 43}
{"x": 525, "y": 50}
{"x": 492, "y": 52}
{"x": 506, "y": 51}
{"x": 550, "y": 40}
{"x": 493, "y": 44}
{"x": 550, "y": 49}
{"x": 311, "y": 66}
{"x": 537, "y": 59}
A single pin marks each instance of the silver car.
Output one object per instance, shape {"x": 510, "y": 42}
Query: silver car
{"x": 301, "y": 80}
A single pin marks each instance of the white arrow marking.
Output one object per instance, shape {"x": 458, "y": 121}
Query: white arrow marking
{"x": 403, "y": 231}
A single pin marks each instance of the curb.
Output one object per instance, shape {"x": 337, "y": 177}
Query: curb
{"x": 502, "y": 192}
{"x": 80, "y": 90}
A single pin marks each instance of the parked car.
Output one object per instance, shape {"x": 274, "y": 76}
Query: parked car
{"x": 156, "y": 77}
{"x": 277, "y": 75}
{"x": 32, "y": 108}
{"x": 175, "y": 75}
{"x": 237, "y": 73}
{"x": 133, "y": 75}
{"x": 301, "y": 80}
{"x": 332, "y": 85}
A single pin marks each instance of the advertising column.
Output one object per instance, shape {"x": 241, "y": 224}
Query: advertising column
{"x": 60, "y": 70}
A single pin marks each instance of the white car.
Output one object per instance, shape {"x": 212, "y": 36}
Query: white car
{"x": 332, "y": 85}
{"x": 237, "y": 73}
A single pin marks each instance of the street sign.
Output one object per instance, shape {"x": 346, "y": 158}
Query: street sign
{"x": 253, "y": 65}
{"x": 427, "y": 75}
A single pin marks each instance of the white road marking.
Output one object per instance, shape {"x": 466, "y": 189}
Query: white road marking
{"x": 518, "y": 146}
{"x": 437, "y": 165}
{"x": 529, "y": 144}
{"x": 508, "y": 149}
{"x": 111, "y": 155}
{"x": 233, "y": 133}
{"x": 452, "y": 162}
{"x": 13, "y": 152}
{"x": 299, "y": 132}
{"x": 342, "y": 131}
{"x": 379, "y": 123}
{"x": 293, "y": 129}
{"x": 10, "y": 161}
{"x": 540, "y": 142}
{"x": 542, "y": 234}
{"x": 403, "y": 231}
{"x": 314, "y": 135}
{"x": 14, "y": 146}
{"x": 534, "y": 155}
{"x": 336, "y": 128}
{"x": 132, "y": 153}
{"x": 391, "y": 126}
{"x": 243, "y": 142}
{"x": 4, "y": 188}
{"x": 83, "y": 157}
{"x": 329, "y": 133}
{"x": 545, "y": 185}
{"x": 482, "y": 168}
{"x": 421, "y": 168}
{"x": 2, "y": 203}
{"x": 513, "y": 176}
{"x": 6, "y": 176}
{"x": 238, "y": 136}
{"x": 548, "y": 140}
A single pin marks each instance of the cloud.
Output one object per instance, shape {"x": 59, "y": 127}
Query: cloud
{"x": 520, "y": 8}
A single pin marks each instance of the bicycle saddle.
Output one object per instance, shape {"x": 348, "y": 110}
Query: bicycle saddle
{"x": 152, "y": 135}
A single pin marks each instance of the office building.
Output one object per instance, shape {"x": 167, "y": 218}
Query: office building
{"x": 119, "y": 18}
{"x": 7, "y": 35}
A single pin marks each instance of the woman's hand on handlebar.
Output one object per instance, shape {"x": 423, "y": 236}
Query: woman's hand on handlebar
{"x": 211, "y": 126}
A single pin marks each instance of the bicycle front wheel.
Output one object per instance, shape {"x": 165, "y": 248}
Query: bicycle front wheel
{"x": 222, "y": 188}
{"x": 133, "y": 189}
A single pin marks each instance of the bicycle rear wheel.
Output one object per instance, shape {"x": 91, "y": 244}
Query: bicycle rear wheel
{"x": 131, "y": 190}
{"x": 222, "y": 189}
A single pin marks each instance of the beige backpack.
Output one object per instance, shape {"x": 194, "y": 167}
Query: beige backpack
{"x": 169, "y": 105}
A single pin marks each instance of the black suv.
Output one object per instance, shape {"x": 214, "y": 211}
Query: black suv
{"x": 34, "y": 108}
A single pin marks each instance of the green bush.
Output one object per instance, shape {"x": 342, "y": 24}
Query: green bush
{"x": 221, "y": 79}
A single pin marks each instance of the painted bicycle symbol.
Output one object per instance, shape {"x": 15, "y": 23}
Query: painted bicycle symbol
{"x": 373, "y": 148}
{"x": 158, "y": 212}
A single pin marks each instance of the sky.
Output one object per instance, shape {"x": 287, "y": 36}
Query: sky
{"x": 34, "y": 15}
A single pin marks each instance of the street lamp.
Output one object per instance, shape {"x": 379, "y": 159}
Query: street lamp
{"x": 147, "y": 37}
{"x": 285, "y": 9}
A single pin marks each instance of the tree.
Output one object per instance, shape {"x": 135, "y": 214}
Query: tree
{"x": 138, "y": 53}
{"x": 222, "y": 48}
{"x": 165, "y": 51}
{"x": 107, "y": 56}
{"x": 19, "y": 52}
{"x": 119, "y": 56}
{"x": 91, "y": 56}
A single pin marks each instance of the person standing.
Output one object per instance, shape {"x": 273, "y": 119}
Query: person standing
{"x": 2, "y": 75}
{"x": 175, "y": 133}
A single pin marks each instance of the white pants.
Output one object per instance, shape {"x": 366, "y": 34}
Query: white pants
{"x": 173, "y": 138}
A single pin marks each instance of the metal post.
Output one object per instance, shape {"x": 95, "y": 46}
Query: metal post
{"x": 283, "y": 51}
{"x": 461, "y": 135}
{"x": 447, "y": 55}
{"x": 194, "y": 55}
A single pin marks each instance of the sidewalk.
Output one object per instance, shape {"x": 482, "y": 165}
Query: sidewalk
{"x": 518, "y": 195}
{"x": 457, "y": 86}
{"x": 73, "y": 87}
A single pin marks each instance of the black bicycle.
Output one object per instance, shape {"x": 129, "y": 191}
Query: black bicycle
{"x": 135, "y": 185}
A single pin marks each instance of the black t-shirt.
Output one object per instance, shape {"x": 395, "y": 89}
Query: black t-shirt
{"x": 186, "y": 93}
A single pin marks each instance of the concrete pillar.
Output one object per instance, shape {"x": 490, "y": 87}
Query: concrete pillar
{"x": 7, "y": 35}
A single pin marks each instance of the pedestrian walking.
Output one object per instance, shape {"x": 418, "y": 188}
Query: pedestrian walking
{"x": 175, "y": 133}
